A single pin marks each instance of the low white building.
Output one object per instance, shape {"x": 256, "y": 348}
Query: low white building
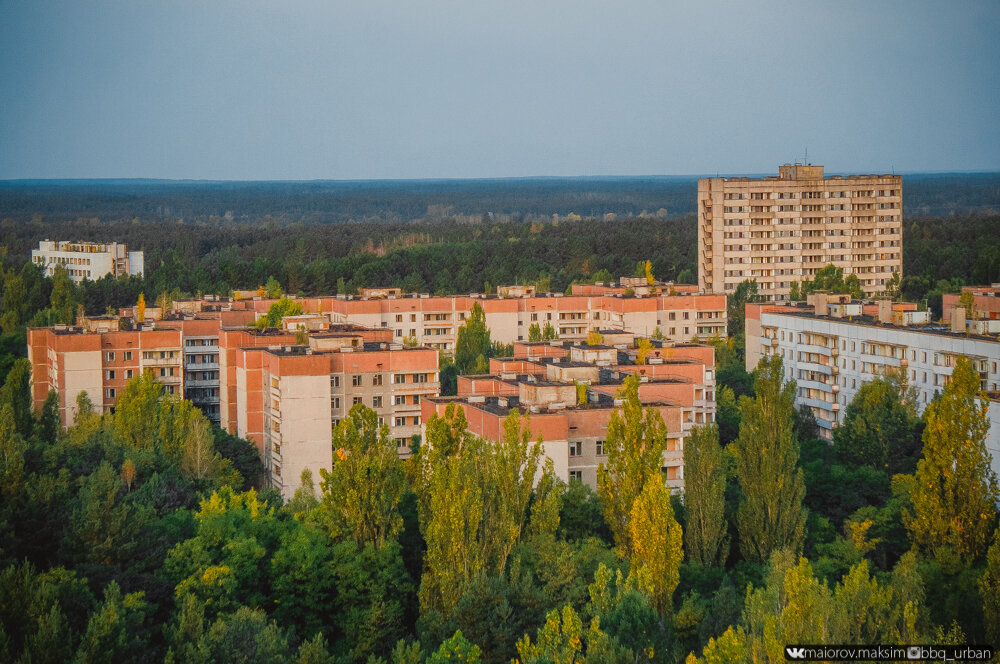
{"x": 87, "y": 260}
{"x": 831, "y": 355}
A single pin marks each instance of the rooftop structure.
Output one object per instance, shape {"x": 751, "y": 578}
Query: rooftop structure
{"x": 778, "y": 230}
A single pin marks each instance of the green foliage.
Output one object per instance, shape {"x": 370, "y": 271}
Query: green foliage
{"x": 878, "y": 430}
{"x": 473, "y": 341}
{"x": 831, "y": 279}
{"x": 272, "y": 288}
{"x": 361, "y": 494}
{"x": 746, "y": 291}
{"x": 635, "y": 444}
{"x": 534, "y": 333}
{"x": 955, "y": 493}
{"x": 704, "y": 497}
{"x": 115, "y": 632}
{"x": 277, "y": 311}
{"x": 771, "y": 515}
{"x": 989, "y": 589}
{"x": 549, "y": 333}
{"x": 656, "y": 542}
{"x": 456, "y": 649}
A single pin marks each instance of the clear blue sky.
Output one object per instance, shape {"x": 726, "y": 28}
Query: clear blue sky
{"x": 223, "y": 89}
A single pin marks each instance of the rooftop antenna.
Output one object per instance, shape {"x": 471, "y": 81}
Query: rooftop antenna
{"x": 806, "y": 162}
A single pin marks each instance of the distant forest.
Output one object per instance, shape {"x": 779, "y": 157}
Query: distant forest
{"x": 444, "y": 236}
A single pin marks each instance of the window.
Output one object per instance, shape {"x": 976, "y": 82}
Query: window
{"x": 336, "y": 402}
{"x": 128, "y": 373}
{"x": 163, "y": 371}
{"x": 111, "y": 356}
{"x": 599, "y": 450}
{"x": 399, "y": 318}
{"x": 110, "y": 393}
{"x": 402, "y": 442}
{"x": 128, "y": 356}
{"x": 399, "y": 379}
{"x": 413, "y": 318}
{"x": 400, "y": 400}
{"x": 376, "y": 402}
{"x": 400, "y": 421}
{"x": 574, "y": 448}
{"x": 576, "y": 475}
{"x": 110, "y": 374}
{"x": 356, "y": 400}
{"x": 377, "y": 380}
{"x": 420, "y": 378}
{"x": 416, "y": 421}
{"x": 399, "y": 333}
{"x": 335, "y": 381}
{"x": 356, "y": 380}
{"x": 416, "y": 398}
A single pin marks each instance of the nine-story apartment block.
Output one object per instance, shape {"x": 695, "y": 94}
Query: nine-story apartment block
{"x": 778, "y": 230}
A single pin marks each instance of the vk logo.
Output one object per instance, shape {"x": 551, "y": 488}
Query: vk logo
{"x": 795, "y": 653}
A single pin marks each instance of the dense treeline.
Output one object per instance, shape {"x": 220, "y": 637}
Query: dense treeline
{"x": 441, "y": 256}
{"x": 402, "y": 200}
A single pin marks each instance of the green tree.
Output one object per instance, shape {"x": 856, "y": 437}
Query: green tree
{"x": 657, "y": 549}
{"x": 457, "y": 649}
{"x": 115, "y": 631}
{"x": 272, "y": 288}
{"x": 49, "y": 422}
{"x": 770, "y": 514}
{"x": 361, "y": 494}
{"x": 63, "y": 297}
{"x": 277, "y": 311}
{"x": 16, "y": 391}
{"x": 136, "y": 421}
{"x": 246, "y": 636}
{"x": 104, "y": 525}
{"x": 635, "y": 444}
{"x": 989, "y": 588}
{"x": 878, "y": 430}
{"x": 534, "y": 332}
{"x": 474, "y": 499}
{"x": 12, "y": 449}
{"x": 745, "y": 292}
{"x": 831, "y": 278}
{"x": 473, "y": 340}
{"x": 704, "y": 497}
{"x": 955, "y": 494}
{"x": 549, "y": 333}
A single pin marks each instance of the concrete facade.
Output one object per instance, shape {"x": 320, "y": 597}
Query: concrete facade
{"x": 830, "y": 358}
{"x": 782, "y": 229}
{"x": 87, "y": 260}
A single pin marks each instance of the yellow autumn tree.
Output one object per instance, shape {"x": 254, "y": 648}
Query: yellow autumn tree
{"x": 140, "y": 309}
{"x": 643, "y": 348}
{"x": 657, "y": 550}
{"x": 955, "y": 493}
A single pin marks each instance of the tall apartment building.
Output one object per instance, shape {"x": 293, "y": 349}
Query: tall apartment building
{"x": 434, "y": 320}
{"x": 87, "y": 260}
{"x": 832, "y": 348}
{"x": 289, "y": 399}
{"x": 782, "y": 229}
{"x": 541, "y": 382}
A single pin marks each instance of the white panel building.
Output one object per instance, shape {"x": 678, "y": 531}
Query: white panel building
{"x": 831, "y": 355}
{"x": 87, "y": 260}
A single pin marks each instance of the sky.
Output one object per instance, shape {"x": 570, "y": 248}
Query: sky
{"x": 373, "y": 89}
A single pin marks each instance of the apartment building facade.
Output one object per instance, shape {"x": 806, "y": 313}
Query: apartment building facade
{"x": 782, "y": 229}
{"x": 289, "y": 399}
{"x": 87, "y": 260}
{"x": 985, "y": 302}
{"x": 433, "y": 321}
{"x": 831, "y": 354}
{"x": 541, "y": 382}
{"x": 71, "y": 361}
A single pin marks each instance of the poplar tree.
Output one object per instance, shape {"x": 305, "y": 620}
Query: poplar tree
{"x": 473, "y": 340}
{"x": 770, "y": 515}
{"x": 955, "y": 494}
{"x": 704, "y": 497}
{"x": 635, "y": 444}
{"x": 474, "y": 497}
{"x": 656, "y": 545}
{"x": 361, "y": 494}
{"x": 989, "y": 588}
{"x": 140, "y": 309}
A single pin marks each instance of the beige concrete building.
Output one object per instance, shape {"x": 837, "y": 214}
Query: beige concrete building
{"x": 87, "y": 260}
{"x": 783, "y": 229}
